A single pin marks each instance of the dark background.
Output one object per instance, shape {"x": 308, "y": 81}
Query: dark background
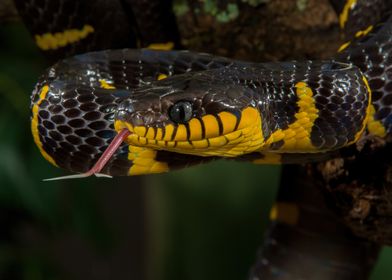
{"x": 202, "y": 223}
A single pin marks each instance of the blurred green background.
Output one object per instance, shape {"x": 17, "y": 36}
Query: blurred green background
{"x": 202, "y": 223}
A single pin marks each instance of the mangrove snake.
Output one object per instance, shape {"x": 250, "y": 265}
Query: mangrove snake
{"x": 129, "y": 112}
{"x": 182, "y": 108}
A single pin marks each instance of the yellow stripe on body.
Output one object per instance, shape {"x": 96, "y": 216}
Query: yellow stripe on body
{"x": 49, "y": 41}
{"x": 161, "y": 46}
{"x": 106, "y": 84}
{"x": 144, "y": 162}
{"x": 34, "y": 125}
{"x": 344, "y": 46}
{"x": 285, "y": 212}
{"x": 364, "y": 32}
{"x": 161, "y": 76}
{"x": 350, "y": 4}
{"x": 359, "y": 34}
{"x": 374, "y": 126}
{"x": 368, "y": 113}
{"x": 297, "y": 136}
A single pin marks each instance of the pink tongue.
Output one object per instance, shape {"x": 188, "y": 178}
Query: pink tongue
{"x": 101, "y": 162}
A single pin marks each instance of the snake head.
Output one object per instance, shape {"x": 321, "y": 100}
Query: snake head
{"x": 237, "y": 110}
{"x": 205, "y": 113}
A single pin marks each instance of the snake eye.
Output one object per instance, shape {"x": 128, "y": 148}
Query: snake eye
{"x": 181, "y": 112}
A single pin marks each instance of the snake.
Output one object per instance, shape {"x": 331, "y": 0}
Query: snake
{"x": 182, "y": 108}
{"x": 141, "y": 111}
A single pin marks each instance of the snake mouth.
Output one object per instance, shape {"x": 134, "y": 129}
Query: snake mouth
{"x": 225, "y": 134}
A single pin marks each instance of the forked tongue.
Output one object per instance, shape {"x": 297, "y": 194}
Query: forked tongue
{"x": 101, "y": 162}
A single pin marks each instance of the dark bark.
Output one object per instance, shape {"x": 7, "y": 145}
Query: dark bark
{"x": 275, "y": 31}
{"x": 358, "y": 187}
{"x": 307, "y": 240}
{"x": 8, "y": 11}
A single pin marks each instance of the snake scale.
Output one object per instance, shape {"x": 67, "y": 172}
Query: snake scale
{"x": 165, "y": 110}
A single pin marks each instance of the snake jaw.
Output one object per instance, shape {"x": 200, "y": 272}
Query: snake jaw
{"x": 225, "y": 134}
{"x": 102, "y": 161}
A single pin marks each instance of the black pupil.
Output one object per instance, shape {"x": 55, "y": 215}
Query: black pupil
{"x": 181, "y": 112}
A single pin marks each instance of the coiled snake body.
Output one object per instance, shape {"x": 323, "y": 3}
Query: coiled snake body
{"x": 183, "y": 108}
{"x": 176, "y": 108}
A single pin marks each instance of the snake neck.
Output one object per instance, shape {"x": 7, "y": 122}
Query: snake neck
{"x": 305, "y": 107}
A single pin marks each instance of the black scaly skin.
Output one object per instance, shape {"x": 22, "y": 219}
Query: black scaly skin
{"x": 365, "y": 13}
{"x": 117, "y": 24}
{"x": 78, "y": 132}
{"x": 373, "y": 55}
{"x": 112, "y": 24}
{"x": 129, "y": 68}
{"x": 77, "y": 113}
